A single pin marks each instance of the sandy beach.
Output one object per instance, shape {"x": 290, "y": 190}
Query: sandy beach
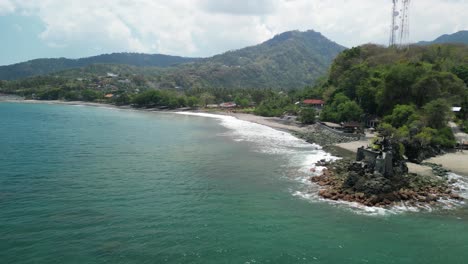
{"x": 272, "y": 122}
{"x": 456, "y": 162}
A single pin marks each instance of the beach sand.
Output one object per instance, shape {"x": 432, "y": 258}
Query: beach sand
{"x": 456, "y": 162}
{"x": 272, "y": 122}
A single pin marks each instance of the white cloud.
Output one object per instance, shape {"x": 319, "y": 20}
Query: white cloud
{"x": 252, "y": 7}
{"x": 6, "y": 6}
{"x": 206, "y": 27}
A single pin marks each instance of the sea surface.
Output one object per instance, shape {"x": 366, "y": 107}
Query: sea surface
{"x": 85, "y": 184}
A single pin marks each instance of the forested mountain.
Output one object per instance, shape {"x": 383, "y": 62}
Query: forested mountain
{"x": 458, "y": 37}
{"x": 46, "y": 66}
{"x": 290, "y": 60}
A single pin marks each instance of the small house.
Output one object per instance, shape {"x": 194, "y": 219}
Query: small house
{"x": 372, "y": 121}
{"x": 352, "y": 127}
{"x": 314, "y": 103}
{"x": 109, "y": 96}
{"x": 228, "y": 105}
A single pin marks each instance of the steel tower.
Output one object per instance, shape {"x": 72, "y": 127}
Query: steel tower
{"x": 399, "y": 32}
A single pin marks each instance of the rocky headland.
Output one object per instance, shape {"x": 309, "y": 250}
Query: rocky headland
{"x": 347, "y": 181}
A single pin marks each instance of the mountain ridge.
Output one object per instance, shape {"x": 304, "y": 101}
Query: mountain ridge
{"x": 460, "y": 37}
{"x": 289, "y": 60}
{"x": 44, "y": 66}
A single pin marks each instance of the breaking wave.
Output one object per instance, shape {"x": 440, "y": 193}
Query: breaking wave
{"x": 303, "y": 157}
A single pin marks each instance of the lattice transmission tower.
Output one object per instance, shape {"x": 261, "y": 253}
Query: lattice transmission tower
{"x": 400, "y": 30}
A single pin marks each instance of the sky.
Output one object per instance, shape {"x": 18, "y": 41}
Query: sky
{"x": 200, "y": 28}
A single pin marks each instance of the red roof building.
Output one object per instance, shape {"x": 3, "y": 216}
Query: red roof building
{"x": 316, "y": 102}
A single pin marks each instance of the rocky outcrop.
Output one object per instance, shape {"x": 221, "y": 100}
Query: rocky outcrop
{"x": 354, "y": 182}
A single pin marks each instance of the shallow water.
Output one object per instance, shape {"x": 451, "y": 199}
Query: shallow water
{"x": 97, "y": 185}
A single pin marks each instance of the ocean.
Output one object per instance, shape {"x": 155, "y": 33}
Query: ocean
{"x": 83, "y": 184}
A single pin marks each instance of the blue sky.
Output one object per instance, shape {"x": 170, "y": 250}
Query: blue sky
{"x": 199, "y": 28}
{"x": 22, "y": 41}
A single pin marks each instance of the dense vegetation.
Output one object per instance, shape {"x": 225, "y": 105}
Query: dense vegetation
{"x": 412, "y": 91}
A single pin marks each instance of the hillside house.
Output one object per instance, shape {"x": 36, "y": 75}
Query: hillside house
{"x": 317, "y": 104}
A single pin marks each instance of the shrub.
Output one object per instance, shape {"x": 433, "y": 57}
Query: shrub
{"x": 307, "y": 115}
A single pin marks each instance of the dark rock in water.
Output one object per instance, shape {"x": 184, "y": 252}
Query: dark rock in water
{"x": 455, "y": 196}
{"x": 431, "y": 198}
{"x": 381, "y": 179}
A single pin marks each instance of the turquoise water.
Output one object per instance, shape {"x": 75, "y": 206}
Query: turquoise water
{"x": 97, "y": 185}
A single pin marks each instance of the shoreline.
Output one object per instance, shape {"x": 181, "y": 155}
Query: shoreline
{"x": 343, "y": 150}
{"x": 456, "y": 162}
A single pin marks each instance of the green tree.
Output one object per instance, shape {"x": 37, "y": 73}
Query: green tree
{"x": 242, "y": 101}
{"x": 398, "y": 85}
{"x": 462, "y": 72}
{"x": 401, "y": 115}
{"x": 307, "y": 115}
{"x": 50, "y": 94}
{"x": 90, "y": 95}
{"x": 206, "y": 99}
{"x": 148, "y": 98}
{"x": 122, "y": 99}
{"x": 192, "y": 101}
{"x": 437, "y": 113}
{"x": 349, "y": 111}
{"x": 71, "y": 96}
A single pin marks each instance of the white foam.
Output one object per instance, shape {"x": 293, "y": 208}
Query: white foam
{"x": 301, "y": 155}
{"x": 268, "y": 140}
{"x": 461, "y": 183}
{"x": 303, "y": 158}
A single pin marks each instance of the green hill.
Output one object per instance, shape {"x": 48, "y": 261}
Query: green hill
{"x": 460, "y": 37}
{"x": 47, "y": 66}
{"x": 411, "y": 91}
{"x": 289, "y": 60}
